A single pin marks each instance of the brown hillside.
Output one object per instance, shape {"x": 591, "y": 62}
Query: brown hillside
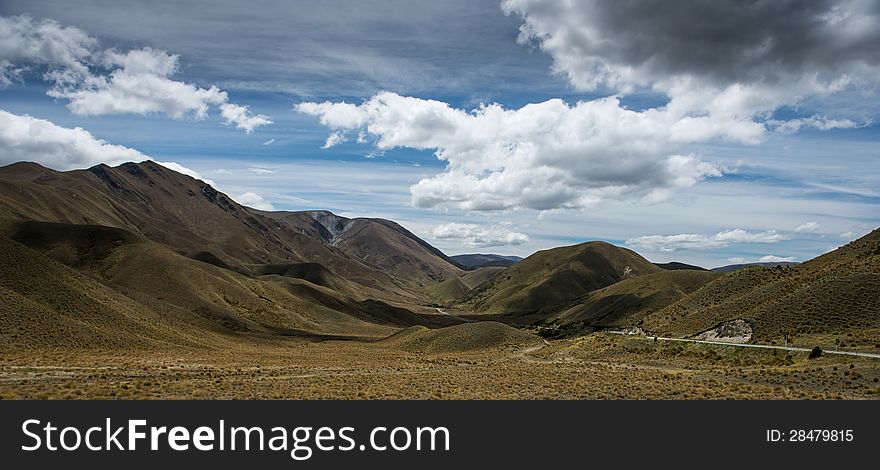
{"x": 138, "y": 278}
{"x": 455, "y": 288}
{"x": 378, "y": 243}
{"x": 552, "y": 277}
{"x": 625, "y": 303}
{"x": 462, "y": 338}
{"x": 191, "y": 217}
{"x": 835, "y": 294}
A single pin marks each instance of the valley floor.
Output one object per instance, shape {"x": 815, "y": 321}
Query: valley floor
{"x": 597, "y": 366}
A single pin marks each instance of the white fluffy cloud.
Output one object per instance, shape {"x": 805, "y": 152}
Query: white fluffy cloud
{"x": 139, "y": 84}
{"x": 25, "y": 138}
{"x": 809, "y": 227}
{"x": 139, "y": 80}
{"x": 688, "y": 241}
{"x": 543, "y": 156}
{"x": 476, "y": 236}
{"x": 777, "y": 259}
{"x": 252, "y": 199}
{"x": 241, "y": 116}
{"x": 63, "y": 50}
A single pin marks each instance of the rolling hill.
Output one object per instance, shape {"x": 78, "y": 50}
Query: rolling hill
{"x": 140, "y": 276}
{"x": 381, "y": 244}
{"x": 378, "y": 258}
{"x": 549, "y": 278}
{"x": 139, "y": 256}
{"x": 837, "y": 293}
{"x": 736, "y": 267}
{"x": 466, "y": 337}
{"x": 624, "y": 304}
{"x": 455, "y": 288}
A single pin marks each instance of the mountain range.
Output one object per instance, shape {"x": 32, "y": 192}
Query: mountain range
{"x": 139, "y": 256}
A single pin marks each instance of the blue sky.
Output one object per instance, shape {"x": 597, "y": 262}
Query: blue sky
{"x": 802, "y": 183}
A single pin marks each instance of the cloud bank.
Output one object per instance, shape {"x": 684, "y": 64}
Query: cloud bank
{"x": 809, "y": 227}
{"x": 777, "y": 259}
{"x": 689, "y": 241}
{"x": 543, "y": 156}
{"x": 476, "y": 236}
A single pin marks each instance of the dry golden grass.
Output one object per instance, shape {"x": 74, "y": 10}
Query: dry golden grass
{"x": 597, "y": 366}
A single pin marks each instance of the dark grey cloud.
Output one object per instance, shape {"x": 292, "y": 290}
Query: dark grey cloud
{"x": 721, "y": 41}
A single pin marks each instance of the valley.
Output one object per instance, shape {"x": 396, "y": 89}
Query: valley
{"x": 136, "y": 281}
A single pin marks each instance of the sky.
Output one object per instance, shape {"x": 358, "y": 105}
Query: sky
{"x": 709, "y": 133}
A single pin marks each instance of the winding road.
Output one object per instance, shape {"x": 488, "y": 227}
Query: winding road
{"x": 744, "y": 345}
{"x": 444, "y": 312}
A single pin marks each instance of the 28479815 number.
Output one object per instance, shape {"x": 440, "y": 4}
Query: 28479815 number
{"x": 820, "y": 435}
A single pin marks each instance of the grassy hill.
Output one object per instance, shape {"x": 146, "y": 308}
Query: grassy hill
{"x": 462, "y": 338}
{"x": 88, "y": 286}
{"x": 836, "y": 294}
{"x": 552, "y": 277}
{"x": 378, "y": 258}
{"x": 378, "y": 243}
{"x": 626, "y": 303}
{"x": 455, "y": 288}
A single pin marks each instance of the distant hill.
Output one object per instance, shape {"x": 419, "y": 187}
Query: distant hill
{"x": 552, "y": 277}
{"x": 837, "y": 293}
{"x": 626, "y": 303}
{"x": 455, "y": 288}
{"x": 473, "y": 261}
{"x": 381, "y": 244}
{"x": 674, "y": 266}
{"x": 736, "y": 267}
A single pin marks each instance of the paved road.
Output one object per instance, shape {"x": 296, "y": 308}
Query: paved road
{"x": 743, "y": 345}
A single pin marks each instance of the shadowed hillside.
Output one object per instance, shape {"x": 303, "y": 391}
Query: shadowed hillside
{"x": 474, "y": 261}
{"x": 86, "y": 286}
{"x": 676, "y": 266}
